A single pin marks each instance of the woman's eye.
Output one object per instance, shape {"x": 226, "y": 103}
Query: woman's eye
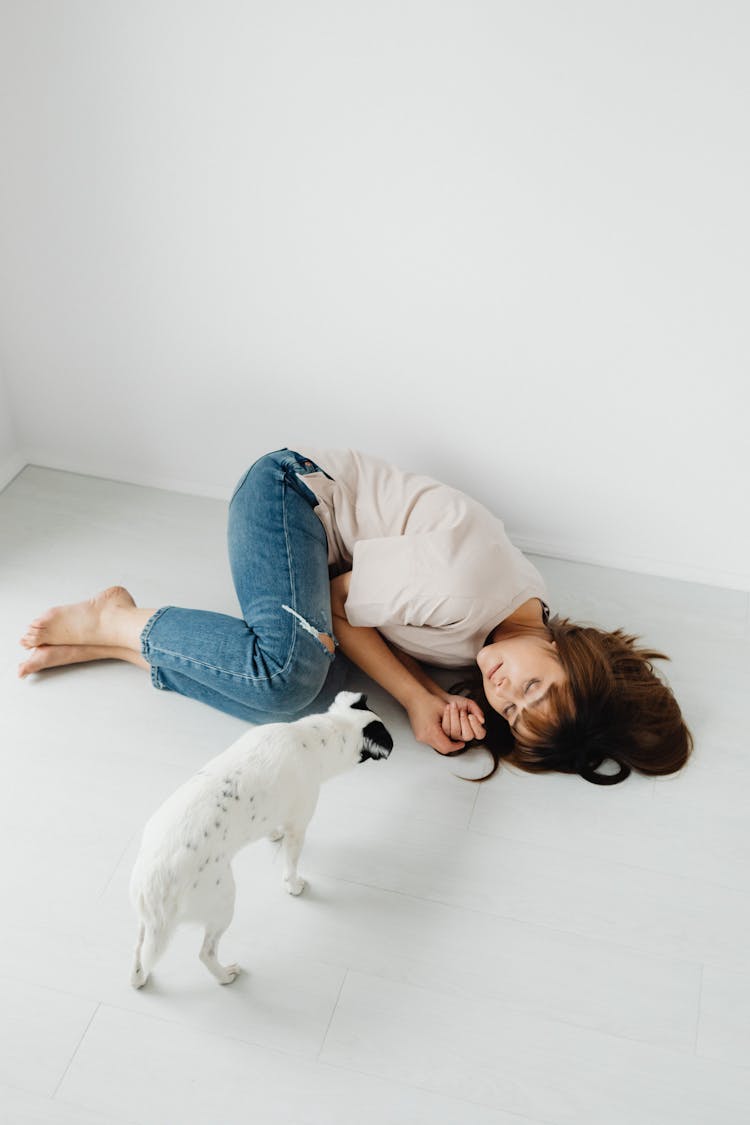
{"x": 508, "y": 709}
{"x": 529, "y": 685}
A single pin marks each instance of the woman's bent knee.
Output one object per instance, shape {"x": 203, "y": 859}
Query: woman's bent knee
{"x": 296, "y": 686}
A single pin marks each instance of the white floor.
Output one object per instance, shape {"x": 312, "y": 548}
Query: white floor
{"x": 531, "y": 950}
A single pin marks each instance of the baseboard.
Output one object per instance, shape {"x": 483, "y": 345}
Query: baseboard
{"x": 11, "y": 467}
{"x": 640, "y": 564}
{"x": 126, "y": 476}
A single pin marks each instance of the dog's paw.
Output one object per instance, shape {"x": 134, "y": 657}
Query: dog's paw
{"x": 277, "y": 834}
{"x": 295, "y": 885}
{"x": 231, "y": 972}
{"x": 138, "y": 978}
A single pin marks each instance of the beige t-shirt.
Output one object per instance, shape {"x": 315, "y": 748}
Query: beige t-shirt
{"x": 432, "y": 569}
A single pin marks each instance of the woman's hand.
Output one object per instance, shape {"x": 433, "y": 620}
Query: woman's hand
{"x": 446, "y": 726}
{"x": 463, "y": 719}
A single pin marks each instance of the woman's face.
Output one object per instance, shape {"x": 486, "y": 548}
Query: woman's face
{"x": 517, "y": 672}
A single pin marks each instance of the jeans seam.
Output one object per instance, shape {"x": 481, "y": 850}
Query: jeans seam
{"x": 212, "y": 667}
{"x": 148, "y": 649}
{"x": 146, "y": 631}
{"x": 292, "y": 587}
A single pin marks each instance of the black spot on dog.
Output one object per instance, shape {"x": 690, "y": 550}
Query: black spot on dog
{"x": 377, "y": 741}
{"x": 360, "y": 704}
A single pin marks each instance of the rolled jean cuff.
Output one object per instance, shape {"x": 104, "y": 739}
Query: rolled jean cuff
{"x": 156, "y": 679}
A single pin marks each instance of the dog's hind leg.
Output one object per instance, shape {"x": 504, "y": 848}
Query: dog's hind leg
{"x": 224, "y": 974}
{"x": 291, "y": 847}
{"x": 221, "y": 912}
{"x": 152, "y": 941}
{"x": 137, "y": 978}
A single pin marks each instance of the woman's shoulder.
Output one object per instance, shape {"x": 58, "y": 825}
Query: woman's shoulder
{"x": 345, "y": 461}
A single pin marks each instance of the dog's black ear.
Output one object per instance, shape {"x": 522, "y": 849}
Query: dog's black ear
{"x": 376, "y": 741}
{"x": 360, "y": 704}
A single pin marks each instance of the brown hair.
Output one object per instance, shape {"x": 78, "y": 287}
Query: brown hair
{"x": 613, "y": 706}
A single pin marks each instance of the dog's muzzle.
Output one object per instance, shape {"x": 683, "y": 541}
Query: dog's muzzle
{"x": 377, "y": 743}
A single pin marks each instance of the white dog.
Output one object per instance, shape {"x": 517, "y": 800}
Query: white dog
{"x": 265, "y": 784}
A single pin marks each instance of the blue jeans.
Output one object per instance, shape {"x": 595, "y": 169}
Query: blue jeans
{"x": 269, "y": 664}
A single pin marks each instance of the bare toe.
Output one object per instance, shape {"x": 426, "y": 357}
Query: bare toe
{"x": 49, "y": 656}
{"x": 37, "y": 660}
{"x": 33, "y": 635}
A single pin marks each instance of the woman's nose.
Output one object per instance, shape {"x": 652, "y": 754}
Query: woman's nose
{"x": 508, "y": 687}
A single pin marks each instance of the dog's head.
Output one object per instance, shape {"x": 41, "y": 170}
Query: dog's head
{"x": 374, "y": 740}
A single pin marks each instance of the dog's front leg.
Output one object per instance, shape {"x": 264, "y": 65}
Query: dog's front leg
{"x": 291, "y": 847}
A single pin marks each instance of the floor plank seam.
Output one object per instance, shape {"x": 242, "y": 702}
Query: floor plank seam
{"x": 75, "y": 1052}
{"x": 333, "y": 1013}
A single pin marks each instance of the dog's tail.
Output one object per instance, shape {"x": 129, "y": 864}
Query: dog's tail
{"x": 154, "y": 901}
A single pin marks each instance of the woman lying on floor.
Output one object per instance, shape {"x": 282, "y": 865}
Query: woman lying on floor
{"x": 336, "y": 548}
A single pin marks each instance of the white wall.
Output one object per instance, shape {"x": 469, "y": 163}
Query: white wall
{"x": 11, "y": 459}
{"x": 503, "y": 243}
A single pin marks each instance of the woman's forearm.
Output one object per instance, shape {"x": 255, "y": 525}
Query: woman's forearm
{"x": 429, "y": 708}
{"x": 419, "y": 673}
{"x": 400, "y": 675}
{"x": 366, "y": 648}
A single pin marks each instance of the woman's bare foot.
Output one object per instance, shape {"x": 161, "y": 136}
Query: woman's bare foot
{"x": 54, "y": 656}
{"x": 109, "y": 619}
